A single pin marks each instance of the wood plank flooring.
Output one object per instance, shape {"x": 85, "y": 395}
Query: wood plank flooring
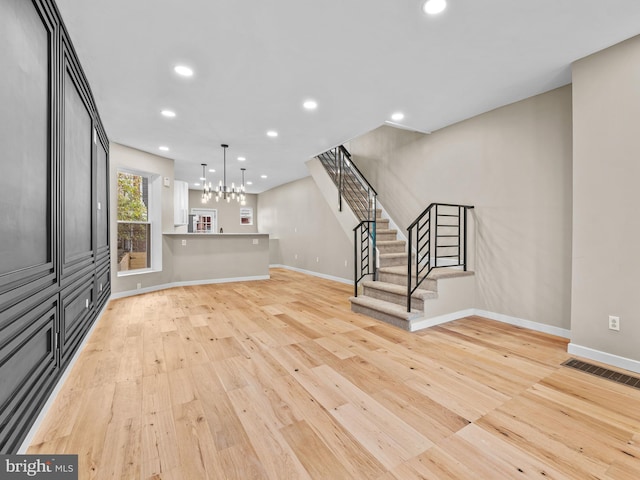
{"x": 278, "y": 380}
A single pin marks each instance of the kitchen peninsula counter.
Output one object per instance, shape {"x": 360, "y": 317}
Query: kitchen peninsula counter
{"x": 218, "y": 257}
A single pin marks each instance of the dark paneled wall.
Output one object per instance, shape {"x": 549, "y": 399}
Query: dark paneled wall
{"x": 54, "y": 231}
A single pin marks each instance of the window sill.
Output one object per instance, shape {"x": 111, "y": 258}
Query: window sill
{"x": 141, "y": 271}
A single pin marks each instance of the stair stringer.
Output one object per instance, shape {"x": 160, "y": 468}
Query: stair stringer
{"x": 455, "y": 294}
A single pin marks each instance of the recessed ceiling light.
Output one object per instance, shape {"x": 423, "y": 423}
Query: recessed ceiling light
{"x": 202, "y": 178}
{"x": 249, "y": 183}
{"x": 263, "y": 176}
{"x": 168, "y": 113}
{"x": 241, "y": 159}
{"x": 396, "y": 117}
{"x": 212, "y": 170}
{"x": 163, "y": 148}
{"x": 433, "y": 7}
{"x": 272, "y": 133}
{"x": 310, "y": 104}
{"x": 183, "y": 70}
{"x": 196, "y": 184}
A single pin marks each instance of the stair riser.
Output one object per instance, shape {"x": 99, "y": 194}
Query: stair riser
{"x": 396, "y": 279}
{"x": 391, "y": 248}
{"x": 416, "y": 303}
{"x": 380, "y": 316}
{"x": 393, "y": 262}
{"x": 385, "y": 237}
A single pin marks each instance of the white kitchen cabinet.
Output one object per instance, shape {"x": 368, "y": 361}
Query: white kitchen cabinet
{"x": 180, "y": 202}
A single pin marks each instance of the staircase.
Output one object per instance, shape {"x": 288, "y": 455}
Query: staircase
{"x": 439, "y": 237}
{"x": 385, "y": 299}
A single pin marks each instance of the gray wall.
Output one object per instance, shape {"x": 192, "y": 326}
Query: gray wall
{"x": 305, "y": 232}
{"x": 129, "y": 158}
{"x": 606, "y": 224}
{"x": 514, "y": 165}
{"x": 208, "y": 257}
{"x": 228, "y": 213}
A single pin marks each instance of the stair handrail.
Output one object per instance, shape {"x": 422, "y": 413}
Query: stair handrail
{"x": 366, "y": 237}
{"x": 428, "y": 237}
{"x": 357, "y": 170}
{"x": 347, "y": 176}
{"x": 349, "y": 179}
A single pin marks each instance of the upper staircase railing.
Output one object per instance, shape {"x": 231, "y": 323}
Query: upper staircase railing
{"x": 361, "y": 197}
{"x": 438, "y": 238}
{"x": 352, "y": 186}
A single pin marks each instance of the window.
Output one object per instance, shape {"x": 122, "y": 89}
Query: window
{"x": 246, "y": 216}
{"x": 205, "y": 220}
{"x": 134, "y": 222}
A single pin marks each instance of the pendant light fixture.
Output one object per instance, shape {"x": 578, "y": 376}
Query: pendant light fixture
{"x": 206, "y": 188}
{"x": 222, "y": 191}
{"x": 243, "y": 200}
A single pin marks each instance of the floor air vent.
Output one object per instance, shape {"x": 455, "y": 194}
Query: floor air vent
{"x": 603, "y": 372}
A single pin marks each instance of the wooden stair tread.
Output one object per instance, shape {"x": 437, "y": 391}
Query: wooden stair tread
{"x": 387, "y": 308}
{"x": 399, "y": 289}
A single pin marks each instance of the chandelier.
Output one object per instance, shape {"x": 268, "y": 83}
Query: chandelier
{"x": 206, "y": 189}
{"x": 222, "y": 191}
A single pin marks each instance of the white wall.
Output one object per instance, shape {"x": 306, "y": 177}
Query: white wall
{"x": 121, "y": 156}
{"x": 514, "y": 165}
{"x": 228, "y": 213}
{"x": 606, "y": 222}
{"x": 305, "y": 233}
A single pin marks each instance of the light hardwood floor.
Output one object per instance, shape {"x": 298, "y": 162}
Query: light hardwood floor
{"x": 278, "y": 380}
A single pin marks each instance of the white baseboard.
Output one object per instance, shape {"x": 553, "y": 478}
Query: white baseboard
{"x": 515, "y": 321}
{"x": 52, "y": 396}
{"x": 521, "y": 322}
{"x": 440, "y": 319}
{"x": 164, "y": 286}
{"x": 604, "y": 357}
{"x": 315, "y": 274}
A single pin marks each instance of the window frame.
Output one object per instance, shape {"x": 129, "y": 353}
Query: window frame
{"x": 154, "y": 242}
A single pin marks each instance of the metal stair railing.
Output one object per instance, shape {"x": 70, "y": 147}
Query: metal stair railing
{"x": 440, "y": 238}
{"x": 364, "y": 252}
{"x": 361, "y": 197}
{"x": 352, "y": 186}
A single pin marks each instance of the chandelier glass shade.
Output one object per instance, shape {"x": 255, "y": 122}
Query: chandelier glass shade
{"x": 206, "y": 189}
{"x": 243, "y": 200}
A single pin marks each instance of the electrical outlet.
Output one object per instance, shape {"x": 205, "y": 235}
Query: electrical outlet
{"x": 184, "y": 242}
{"x": 139, "y": 286}
{"x": 345, "y": 263}
{"x": 317, "y": 259}
{"x": 614, "y": 323}
{"x": 295, "y": 257}
{"x": 255, "y": 241}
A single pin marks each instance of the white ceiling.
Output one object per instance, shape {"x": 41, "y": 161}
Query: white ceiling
{"x": 255, "y": 63}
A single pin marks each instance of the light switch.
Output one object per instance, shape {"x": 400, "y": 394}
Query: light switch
{"x": 255, "y": 241}
{"x": 167, "y": 182}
